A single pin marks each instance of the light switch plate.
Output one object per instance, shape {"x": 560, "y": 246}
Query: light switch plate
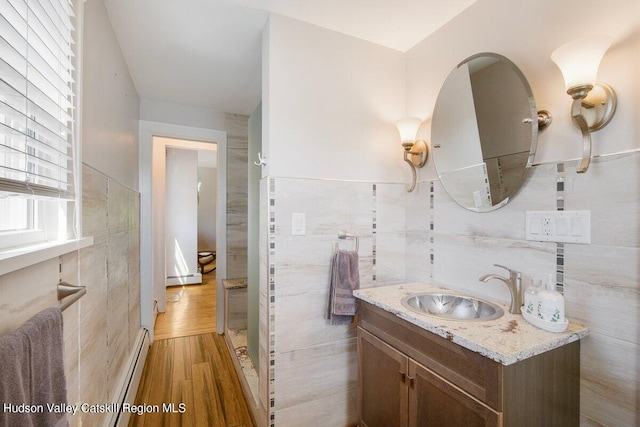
{"x": 559, "y": 226}
{"x": 298, "y": 224}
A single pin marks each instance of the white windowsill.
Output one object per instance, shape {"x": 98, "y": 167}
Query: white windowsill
{"x": 17, "y": 258}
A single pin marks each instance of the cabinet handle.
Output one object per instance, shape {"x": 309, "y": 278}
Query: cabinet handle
{"x": 411, "y": 381}
{"x": 403, "y": 376}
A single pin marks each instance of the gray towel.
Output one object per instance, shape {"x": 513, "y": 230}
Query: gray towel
{"x": 345, "y": 278}
{"x": 33, "y": 372}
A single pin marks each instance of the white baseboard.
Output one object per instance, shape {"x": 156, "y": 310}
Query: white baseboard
{"x": 190, "y": 279}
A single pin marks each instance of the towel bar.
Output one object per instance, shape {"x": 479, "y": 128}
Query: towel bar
{"x": 74, "y": 293}
{"x": 342, "y": 234}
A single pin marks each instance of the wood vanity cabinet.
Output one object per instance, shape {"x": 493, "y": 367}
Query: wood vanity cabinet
{"x": 411, "y": 377}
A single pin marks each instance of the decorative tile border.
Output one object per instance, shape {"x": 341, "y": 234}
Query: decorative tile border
{"x": 560, "y": 246}
{"x": 272, "y": 298}
{"x": 374, "y": 229}
{"x": 431, "y": 226}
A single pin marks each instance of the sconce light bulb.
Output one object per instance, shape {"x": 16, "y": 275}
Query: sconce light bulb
{"x": 579, "y": 60}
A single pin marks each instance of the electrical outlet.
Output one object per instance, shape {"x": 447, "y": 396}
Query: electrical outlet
{"x": 558, "y": 226}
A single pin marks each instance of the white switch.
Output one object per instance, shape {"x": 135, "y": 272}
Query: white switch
{"x": 298, "y": 224}
{"x": 561, "y": 227}
{"x": 536, "y": 226}
{"x": 558, "y": 226}
{"x": 576, "y": 226}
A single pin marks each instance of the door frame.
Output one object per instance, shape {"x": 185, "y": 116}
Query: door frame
{"x": 152, "y": 162}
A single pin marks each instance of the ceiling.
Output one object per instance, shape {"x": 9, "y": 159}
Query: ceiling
{"x": 207, "y": 53}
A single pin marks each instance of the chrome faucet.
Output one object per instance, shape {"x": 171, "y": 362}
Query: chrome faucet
{"x": 514, "y": 283}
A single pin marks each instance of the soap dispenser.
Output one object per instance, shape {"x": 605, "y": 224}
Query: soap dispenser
{"x": 531, "y": 297}
{"x": 551, "y": 304}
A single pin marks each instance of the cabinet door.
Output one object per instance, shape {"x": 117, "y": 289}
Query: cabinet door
{"x": 435, "y": 402}
{"x": 383, "y": 390}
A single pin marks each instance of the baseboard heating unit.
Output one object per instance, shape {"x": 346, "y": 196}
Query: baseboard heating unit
{"x": 131, "y": 379}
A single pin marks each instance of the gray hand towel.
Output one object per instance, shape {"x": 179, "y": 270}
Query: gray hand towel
{"x": 345, "y": 278}
{"x": 33, "y": 371}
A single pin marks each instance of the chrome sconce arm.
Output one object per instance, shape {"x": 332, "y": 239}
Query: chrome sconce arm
{"x": 592, "y": 108}
{"x": 416, "y": 152}
{"x": 415, "y": 155}
{"x": 594, "y": 103}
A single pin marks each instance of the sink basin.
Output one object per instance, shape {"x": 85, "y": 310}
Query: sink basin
{"x": 452, "y": 307}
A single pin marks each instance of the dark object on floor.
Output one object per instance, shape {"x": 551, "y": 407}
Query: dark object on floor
{"x": 206, "y": 258}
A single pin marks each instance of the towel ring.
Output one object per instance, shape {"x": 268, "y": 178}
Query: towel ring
{"x": 342, "y": 234}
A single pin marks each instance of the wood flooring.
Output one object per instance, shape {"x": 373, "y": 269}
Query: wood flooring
{"x": 191, "y": 368}
{"x": 193, "y": 313}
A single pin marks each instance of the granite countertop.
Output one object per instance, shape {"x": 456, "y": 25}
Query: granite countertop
{"x": 506, "y": 340}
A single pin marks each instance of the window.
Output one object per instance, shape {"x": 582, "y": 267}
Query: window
{"x": 36, "y": 120}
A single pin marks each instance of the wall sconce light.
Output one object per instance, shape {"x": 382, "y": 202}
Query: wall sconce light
{"x": 594, "y": 103}
{"x": 416, "y": 152}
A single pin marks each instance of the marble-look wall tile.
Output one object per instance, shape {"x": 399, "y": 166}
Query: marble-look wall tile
{"x": 609, "y": 380}
{"x": 305, "y": 343}
{"x": 69, "y": 267}
{"x": 391, "y": 258}
{"x": 117, "y": 337}
{"x": 72, "y": 361}
{"x": 118, "y": 206}
{"x": 118, "y": 260}
{"x": 93, "y": 357}
{"x": 93, "y": 275}
{"x": 237, "y": 130}
{"x": 417, "y": 256}
{"x": 461, "y": 260}
{"x": 314, "y": 365}
{"x": 94, "y": 202}
{"x": 134, "y": 210}
{"x": 302, "y": 322}
{"x": 306, "y": 262}
{"x": 600, "y": 281}
{"x": 330, "y": 206}
{"x": 588, "y": 422}
{"x": 611, "y": 191}
{"x": 70, "y": 273}
{"x": 26, "y": 292}
{"x": 134, "y": 286}
{"x": 508, "y": 222}
{"x": 391, "y": 229}
{"x": 330, "y": 410}
{"x": 237, "y": 162}
{"x": 236, "y": 308}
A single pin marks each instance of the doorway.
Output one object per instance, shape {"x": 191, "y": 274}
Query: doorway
{"x": 154, "y": 139}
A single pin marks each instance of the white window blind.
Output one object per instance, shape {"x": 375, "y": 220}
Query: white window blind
{"x": 36, "y": 98}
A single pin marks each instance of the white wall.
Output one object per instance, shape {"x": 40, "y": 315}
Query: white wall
{"x": 182, "y": 217}
{"x": 527, "y": 33}
{"x": 110, "y": 104}
{"x": 185, "y": 115}
{"x": 330, "y": 104}
{"x": 208, "y": 179}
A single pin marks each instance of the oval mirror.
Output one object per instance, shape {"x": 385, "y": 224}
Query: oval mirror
{"x": 484, "y": 132}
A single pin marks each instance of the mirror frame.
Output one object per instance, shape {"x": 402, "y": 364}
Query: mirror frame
{"x": 534, "y": 130}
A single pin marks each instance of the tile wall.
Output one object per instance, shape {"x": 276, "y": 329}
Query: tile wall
{"x": 100, "y": 329}
{"x": 302, "y": 343}
{"x": 237, "y": 127}
{"x": 309, "y": 368}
